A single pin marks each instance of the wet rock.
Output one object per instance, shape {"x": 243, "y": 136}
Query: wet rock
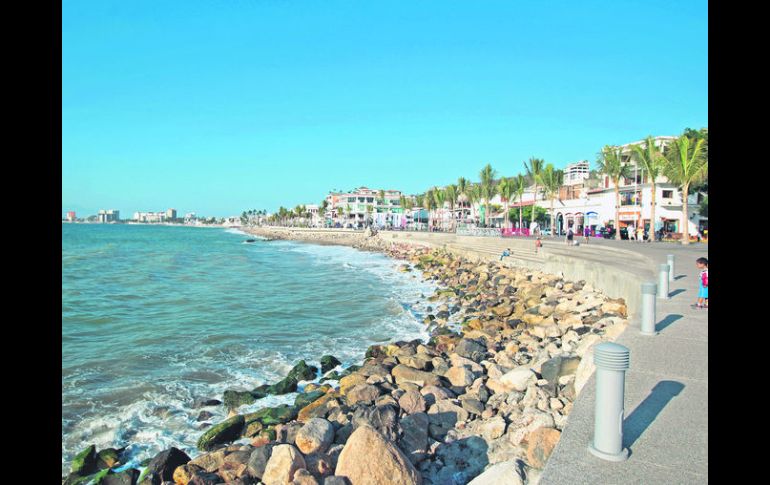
{"x": 84, "y": 462}
{"x": 204, "y": 416}
{"x": 328, "y": 362}
{"x": 126, "y": 477}
{"x": 306, "y": 398}
{"x": 234, "y": 398}
{"x": 165, "y": 462}
{"x": 303, "y": 372}
{"x": 273, "y": 415}
{"x": 283, "y": 464}
{"x": 201, "y": 402}
{"x": 369, "y": 458}
{"x": 315, "y": 436}
{"x": 224, "y": 432}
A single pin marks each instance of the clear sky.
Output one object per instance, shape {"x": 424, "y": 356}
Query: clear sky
{"x": 216, "y": 106}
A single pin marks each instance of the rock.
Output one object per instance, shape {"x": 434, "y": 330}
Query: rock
{"x": 319, "y": 465}
{"x": 201, "y": 402}
{"x": 412, "y": 402}
{"x": 382, "y": 418}
{"x": 403, "y": 373}
{"x": 284, "y": 386}
{"x": 471, "y": 349}
{"x": 226, "y": 431}
{"x": 84, "y": 462}
{"x": 521, "y": 425}
{"x": 303, "y": 477}
{"x": 511, "y": 472}
{"x": 233, "y": 398}
{"x": 315, "y": 436}
{"x": 303, "y": 372}
{"x": 370, "y": 459}
{"x": 204, "y": 478}
{"x": 493, "y": 428}
{"x": 328, "y": 362}
{"x": 271, "y": 416}
{"x": 349, "y": 382}
{"x": 209, "y": 462}
{"x": 126, "y": 477}
{"x": 318, "y": 408}
{"x": 414, "y": 437}
{"x": 443, "y": 415}
{"x": 459, "y": 376}
{"x": 283, "y": 464}
{"x": 306, "y": 398}
{"x": 586, "y": 343}
{"x": 459, "y": 461}
{"x": 204, "y": 416}
{"x": 435, "y": 393}
{"x": 540, "y": 444}
{"x": 258, "y": 460}
{"x": 472, "y": 406}
{"x": 615, "y": 306}
{"x": 184, "y": 473}
{"x": 335, "y": 480}
{"x": 362, "y": 393}
{"x": 518, "y": 379}
{"x": 108, "y": 458}
{"x": 165, "y": 462}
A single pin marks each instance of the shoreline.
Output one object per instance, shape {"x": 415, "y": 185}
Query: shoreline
{"x": 499, "y": 385}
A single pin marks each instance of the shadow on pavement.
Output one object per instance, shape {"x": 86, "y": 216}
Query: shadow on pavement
{"x": 676, "y": 292}
{"x": 667, "y": 321}
{"x": 646, "y": 412}
{"x": 680, "y": 276}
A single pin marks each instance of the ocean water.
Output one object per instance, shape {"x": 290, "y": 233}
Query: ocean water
{"x": 153, "y": 317}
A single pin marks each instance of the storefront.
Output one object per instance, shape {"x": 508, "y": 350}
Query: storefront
{"x": 629, "y": 218}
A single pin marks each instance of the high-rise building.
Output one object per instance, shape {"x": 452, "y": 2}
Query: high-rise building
{"x": 171, "y": 214}
{"x": 106, "y": 216}
{"x": 575, "y": 173}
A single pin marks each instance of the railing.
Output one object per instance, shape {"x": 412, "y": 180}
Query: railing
{"x": 479, "y": 231}
{"x": 522, "y": 231}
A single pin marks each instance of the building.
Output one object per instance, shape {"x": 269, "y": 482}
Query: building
{"x": 363, "y": 206}
{"x": 576, "y": 173}
{"x": 71, "y": 216}
{"x": 171, "y": 214}
{"x": 108, "y": 216}
{"x": 150, "y": 217}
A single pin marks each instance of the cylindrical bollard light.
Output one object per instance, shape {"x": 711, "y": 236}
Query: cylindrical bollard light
{"x": 649, "y": 289}
{"x": 670, "y": 259}
{"x": 611, "y": 361}
{"x": 663, "y": 282}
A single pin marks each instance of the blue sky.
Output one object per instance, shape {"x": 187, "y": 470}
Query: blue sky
{"x": 218, "y": 106}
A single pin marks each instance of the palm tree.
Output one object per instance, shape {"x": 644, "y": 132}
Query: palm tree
{"x": 474, "y": 196}
{"x": 451, "y": 196}
{"x": 651, "y": 159}
{"x": 534, "y": 170}
{"x": 439, "y": 197}
{"x": 487, "y": 183}
{"x": 610, "y": 163}
{"x": 430, "y": 204}
{"x": 551, "y": 180}
{"x": 381, "y": 196}
{"x": 505, "y": 187}
{"x": 519, "y": 185}
{"x": 686, "y": 163}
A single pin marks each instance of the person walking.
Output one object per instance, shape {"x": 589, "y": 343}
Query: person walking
{"x": 570, "y": 235}
{"x": 640, "y": 234}
{"x": 586, "y": 233}
{"x": 703, "y": 284}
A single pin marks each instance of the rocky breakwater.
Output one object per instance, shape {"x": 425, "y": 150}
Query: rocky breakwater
{"x": 482, "y": 402}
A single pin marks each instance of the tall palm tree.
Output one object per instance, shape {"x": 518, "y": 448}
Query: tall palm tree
{"x": 686, "y": 163}
{"x": 534, "y": 169}
{"x": 610, "y": 163}
{"x": 439, "y": 197}
{"x": 519, "y": 186}
{"x": 552, "y": 180}
{"x": 451, "y": 196}
{"x": 651, "y": 159}
{"x": 487, "y": 183}
{"x": 430, "y": 204}
{"x": 474, "y": 196}
{"x": 505, "y": 188}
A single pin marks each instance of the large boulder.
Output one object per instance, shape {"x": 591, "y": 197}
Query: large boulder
{"x": 258, "y": 460}
{"x": 404, "y": 373}
{"x": 540, "y": 444}
{"x": 224, "y": 432}
{"x": 283, "y": 464}
{"x": 165, "y": 462}
{"x": 459, "y": 461}
{"x": 209, "y": 462}
{"x": 471, "y": 349}
{"x": 414, "y": 438}
{"x": 84, "y": 462}
{"x": 275, "y": 415}
{"x": 315, "y": 436}
{"x": 412, "y": 402}
{"x": 303, "y": 372}
{"x": 126, "y": 477}
{"x": 511, "y": 472}
{"x": 362, "y": 393}
{"x": 350, "y": 381}
{"x": 459, "y": 376}
{"x": 234, "y": 398}
{"x": 382, "y": 418}
{"x": 443, "y": 416}
{"x": 518, "y": 379}
{"x": 306, "y": 398}
{"x": 318, "y": 408}
{"x": 370, "y": 459}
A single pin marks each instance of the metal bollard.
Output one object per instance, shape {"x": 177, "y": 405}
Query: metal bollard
{"x": 649, "y": 289}
{"x": 670, "y": 259}
{"x": 611, "y": 361}
{"x": 663, "y": 282}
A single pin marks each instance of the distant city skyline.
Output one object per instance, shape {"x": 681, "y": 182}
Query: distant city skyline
{"x": 218, "y": 107}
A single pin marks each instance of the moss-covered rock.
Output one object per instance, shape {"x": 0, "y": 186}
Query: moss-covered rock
{"x": 375, "y": 351}
{"x": 303, "y": 372}
{"x": 108, "y": 458}
{"x": 306, "y": 398}
{"x": 328, "y": 362}
{"x": 99, "y": 477}
{"x": 284, "y": 386}
{"x": 224, "y": 432}
{"x": 84, "y": 462}
{"x": 275, "y": 415}
{"x": 234, "y": 398}
{"x": 252, "y": 428}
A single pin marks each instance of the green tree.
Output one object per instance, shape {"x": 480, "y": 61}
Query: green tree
{"x": 488, "y": 188}
{"x": 610, "y": 163}
{"x": 451, "y": 196}
{"x": 534, "y": 169}
{"x": 651, "y": 159}
{"x": 686, "y": 164}
{"x": 519, "y": 185}
{"x": 505, "y": 188}
{"x": 439, "y": 197}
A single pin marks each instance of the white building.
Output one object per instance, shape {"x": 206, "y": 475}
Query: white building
{"x": 576, "y": 173}
{"x": 363, "y": 205}
{"x": 107, "y": 216}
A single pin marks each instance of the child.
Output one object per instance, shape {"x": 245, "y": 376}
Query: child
{"x": 506, "y": 252}
{"x": 538, "y": 244}
{"x": 703, "y": 283}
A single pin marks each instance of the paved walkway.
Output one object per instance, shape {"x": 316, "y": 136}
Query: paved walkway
{"x": 666, "y": 401}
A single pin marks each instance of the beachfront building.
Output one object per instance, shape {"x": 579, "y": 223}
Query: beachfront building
{"x": 577, "y": 173}
{"x": 71, "y": 216}
{"x": 171, "y": 214}
{"x": 150, "y": 217}
{"x": 364, "y": 206}
{"x": 108, "y": 216}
